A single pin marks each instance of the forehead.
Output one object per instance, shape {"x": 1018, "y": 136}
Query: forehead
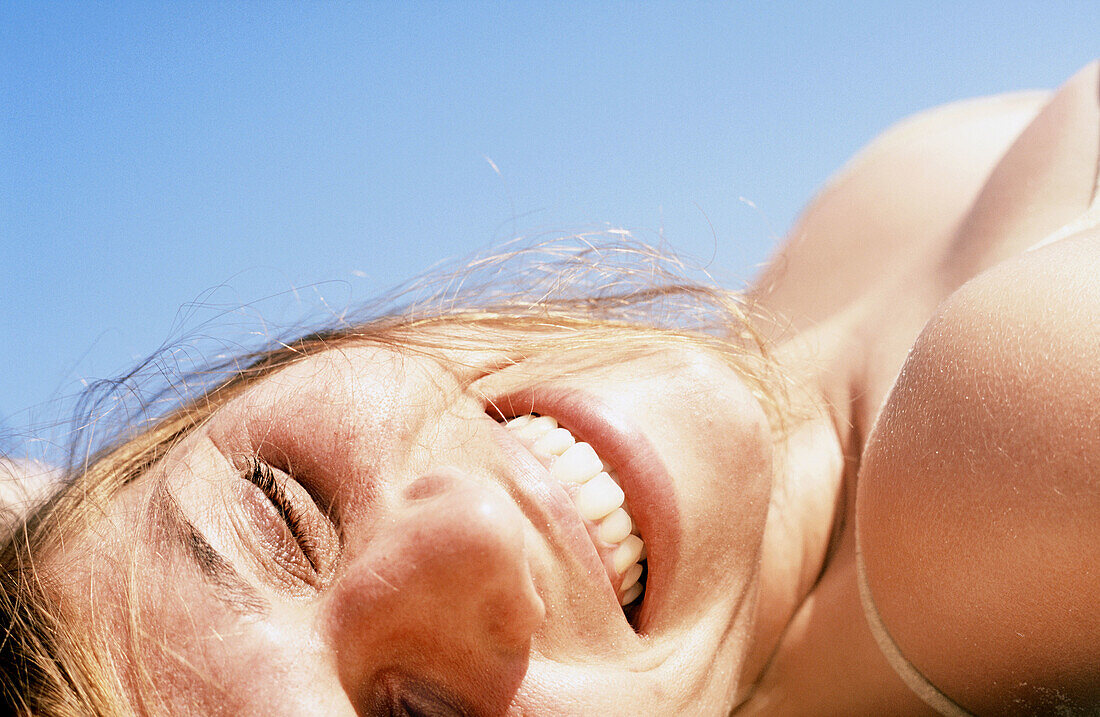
{"x": 354, "y": 411}
{"x": 344, "y": 375}
{"x": 341, "y": 391}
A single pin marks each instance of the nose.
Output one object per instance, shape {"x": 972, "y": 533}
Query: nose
{"x": 439, "y": 603}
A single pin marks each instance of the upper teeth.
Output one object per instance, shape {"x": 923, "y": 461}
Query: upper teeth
{"x": 599, "y": 497}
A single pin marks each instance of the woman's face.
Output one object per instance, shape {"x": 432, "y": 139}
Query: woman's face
{"x": 360, "y": 533}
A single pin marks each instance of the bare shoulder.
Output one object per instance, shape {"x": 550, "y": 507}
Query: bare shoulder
{"x": 896, "y": 201}
{"x": 979, "y": 498}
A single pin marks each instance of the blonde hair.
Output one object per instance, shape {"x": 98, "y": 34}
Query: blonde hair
{"x": 528, "y": 299}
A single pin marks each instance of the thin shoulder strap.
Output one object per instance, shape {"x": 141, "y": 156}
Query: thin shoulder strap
{"x": 1089, "y": 220}
{"x": 912, "y": 677}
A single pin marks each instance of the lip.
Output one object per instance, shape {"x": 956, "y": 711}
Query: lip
{"x": 644, "y": 478}
{"x": 546, "y": 502}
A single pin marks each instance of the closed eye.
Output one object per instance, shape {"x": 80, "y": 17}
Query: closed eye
{"x": 292, "y": 528}
{"x": 263, "y": 477}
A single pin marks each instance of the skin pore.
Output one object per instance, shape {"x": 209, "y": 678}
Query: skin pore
{"x": 442, "y": 566}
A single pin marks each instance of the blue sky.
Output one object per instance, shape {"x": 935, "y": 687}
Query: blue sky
{"x": 164, "y": 165}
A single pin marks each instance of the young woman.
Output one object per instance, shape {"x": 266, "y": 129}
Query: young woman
{"x": 869, "y": 486}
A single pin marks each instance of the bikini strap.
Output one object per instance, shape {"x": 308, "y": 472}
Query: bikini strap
{"x": 917, "y": 682}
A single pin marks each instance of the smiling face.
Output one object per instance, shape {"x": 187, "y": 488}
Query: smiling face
{"x": 361, "y": 533}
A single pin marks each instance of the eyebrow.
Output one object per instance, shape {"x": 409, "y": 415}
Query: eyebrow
{"x": 232, "y": 589}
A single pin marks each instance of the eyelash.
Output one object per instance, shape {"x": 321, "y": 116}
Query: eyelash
{"x": 263, "y": 477}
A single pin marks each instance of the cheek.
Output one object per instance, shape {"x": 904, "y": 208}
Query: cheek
{"x": 715, "y": 438}
{"x": 206, "y": 662}
{"x": 709, "y": 428}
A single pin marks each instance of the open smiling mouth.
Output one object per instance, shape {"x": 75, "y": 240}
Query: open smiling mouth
{"x": 598, "y": 498}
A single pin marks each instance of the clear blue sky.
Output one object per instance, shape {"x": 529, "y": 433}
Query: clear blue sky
{"x": 155, "y": 155}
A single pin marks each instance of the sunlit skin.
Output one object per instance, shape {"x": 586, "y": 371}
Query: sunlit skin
{"x": 446, "y": 573}
{"x": 943, "y": 382}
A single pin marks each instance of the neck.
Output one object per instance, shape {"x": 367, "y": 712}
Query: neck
{"x": 808, "y": 497}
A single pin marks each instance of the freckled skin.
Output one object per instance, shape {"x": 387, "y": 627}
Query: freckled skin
{"x": 449, "y": 583}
